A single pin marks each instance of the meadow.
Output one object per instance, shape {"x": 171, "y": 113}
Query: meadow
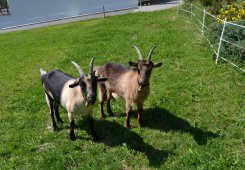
{"x": 193, "y": 119}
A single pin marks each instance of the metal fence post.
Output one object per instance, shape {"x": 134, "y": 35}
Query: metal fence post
{"x": 140, "y": 6}
{"x": 203, "y": 21}
{"x": 177, "y": 10}
{"x": 220, "y": 41}
{"x": 104, "y": 10}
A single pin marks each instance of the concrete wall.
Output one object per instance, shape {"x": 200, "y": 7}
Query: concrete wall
{"x": 34, "y": 11}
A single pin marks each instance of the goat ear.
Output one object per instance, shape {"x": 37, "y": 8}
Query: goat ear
{"x": 102, "y": 79}
{"x": 76, "y": 83}
{"x": 131, "y": 63}
{"x": 157, "y": 65}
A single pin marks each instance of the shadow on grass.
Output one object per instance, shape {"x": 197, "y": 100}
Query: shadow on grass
{"x": 162, "y": 119}
{"x": 113, "y": 134}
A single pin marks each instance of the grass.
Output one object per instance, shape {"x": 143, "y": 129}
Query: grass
{"x": 193, "y": 119}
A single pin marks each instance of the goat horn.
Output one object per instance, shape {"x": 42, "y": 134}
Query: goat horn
{"x": 149, "y": 55}
{"x": 79, "y": 69}
{"x": 91, "y": 70}
{"x": 138, "y": 51}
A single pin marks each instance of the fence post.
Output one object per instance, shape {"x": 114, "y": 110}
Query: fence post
{"x": 140, "y": 6}
{"x": 203, "y": 21}
{"x": 104, "y": 10}
{"x": 220, "y": 41}
{"x": 177, "y": 11}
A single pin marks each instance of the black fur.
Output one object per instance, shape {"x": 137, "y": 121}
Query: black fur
{"x": 54, "y": 82}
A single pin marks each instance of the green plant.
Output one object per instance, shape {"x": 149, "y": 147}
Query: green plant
{"x": 233, "y": 34}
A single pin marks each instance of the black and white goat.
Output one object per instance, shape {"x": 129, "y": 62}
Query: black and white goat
{"x": 132, "y": 84}
{"x": 76, "y": 95}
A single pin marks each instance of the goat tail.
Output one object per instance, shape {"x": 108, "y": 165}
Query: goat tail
{"x": 42, "y": 72}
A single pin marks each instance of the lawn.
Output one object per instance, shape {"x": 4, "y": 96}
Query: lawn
{"x": 193, "y": 119}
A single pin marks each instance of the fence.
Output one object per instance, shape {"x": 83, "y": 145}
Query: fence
{"x": 217, "y": 32}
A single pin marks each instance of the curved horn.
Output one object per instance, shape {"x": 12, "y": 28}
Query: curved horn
{"x": 138, "y": 51}
{"x": 79, "y": 69}
{"x": 91, "y": 70}
{"x": 149, "y": 55}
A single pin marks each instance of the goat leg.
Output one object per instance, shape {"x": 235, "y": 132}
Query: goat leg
{"x": 102, "y": 114}
{"x": 91, "y": 124}
{"x": 72, "y": 127}
{"x": 139, "y": 111}
{"x": 128, "y": 112}
{"x": 57, "y": 113}
{"x": 53, "y": 121}
{"x": 140, "y": 117}
{"x": 108, "y": 106}
{"x": 127, "y": 122}
{"x": 50, "y": 103}
{"x": 102, "y": 98}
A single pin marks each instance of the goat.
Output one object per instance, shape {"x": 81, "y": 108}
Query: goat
{"x": 76, "y": 95}
{"x": 131, "y": 84}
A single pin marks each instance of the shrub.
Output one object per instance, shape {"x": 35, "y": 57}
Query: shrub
{"x": 214, "y": 6}
{"x": 233, "y": 12}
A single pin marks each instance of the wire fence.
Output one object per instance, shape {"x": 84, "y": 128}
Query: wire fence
{"x": 227, "y": 39}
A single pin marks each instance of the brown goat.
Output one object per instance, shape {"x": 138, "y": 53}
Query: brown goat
{"x": 132, "y": 84}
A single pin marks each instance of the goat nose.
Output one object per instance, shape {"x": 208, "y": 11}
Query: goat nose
{"x": 91, "y": 96}
{"x": 145, "y": 78}
{"x": 91, "y": 99}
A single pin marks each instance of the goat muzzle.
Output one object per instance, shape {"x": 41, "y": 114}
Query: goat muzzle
{"x": 91, "y": 99}
{"x": 141, "y": 85}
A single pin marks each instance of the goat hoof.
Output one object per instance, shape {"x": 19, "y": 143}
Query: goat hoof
{"x": 126, "y": 125}
{"x": 102, "y": 117}
{"x": 140, "y": 124}
{"x": 56, "y": 129}
{"x": 95, "y": 138}
{"x": 60, "y": 120}
{"x": 112, "y": 114}
{"x": 73, "y": 137}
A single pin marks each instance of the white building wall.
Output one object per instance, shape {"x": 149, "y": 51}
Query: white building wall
{"x": 34, "y": 11}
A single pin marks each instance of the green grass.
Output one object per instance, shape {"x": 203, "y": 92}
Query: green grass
{"x": 193, "y": 119}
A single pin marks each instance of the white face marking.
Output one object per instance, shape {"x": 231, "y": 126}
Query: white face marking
{"x": 73, "y": 100}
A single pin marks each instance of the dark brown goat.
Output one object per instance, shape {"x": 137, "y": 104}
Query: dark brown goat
{"x": 132, "y": 84}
